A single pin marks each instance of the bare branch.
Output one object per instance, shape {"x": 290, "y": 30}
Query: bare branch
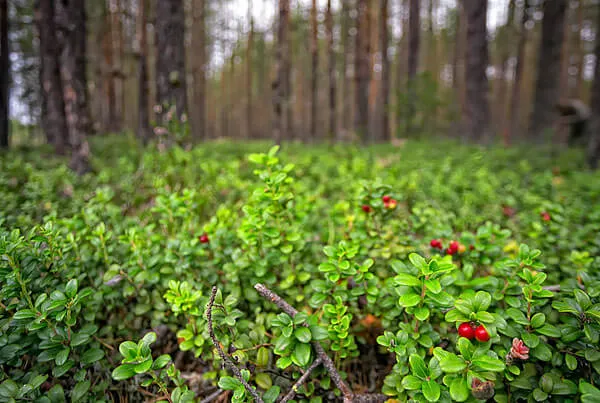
{"x": 212, "y": 396}
{"x": 226, "y": 360}
{"x": 301, "y": 380}
{"x": 327, "y": 363}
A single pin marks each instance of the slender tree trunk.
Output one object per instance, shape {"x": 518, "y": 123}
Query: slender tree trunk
{"x": 547, "y": 89}
{"x": 4, "y": 75}
{"x": 70, "y": 17}
{"x": 594, "y": 125}
{"x": 362, "y": 71}
{"x": 199, "y": 56}
{"x": 170, "y": 60}
{"x": 345, "y": 82}
{"x": 54, "y": 122}
{"x": 314, "y": 51}
{"x": 506, "y": 44}
{"x": 249, "y": 66}
{"x": 281, "y": 82}
{"x": 515, "y": 99}
{"x": 117, "y": 58}
{"x": 476, "y": 64}
{"x": 332, "y": 130}
{"x": 579, "y": 48}
{"x": 385, "y": 72}
{"x": 414, "y": 39}
{"x": 143, "y": 126}
{"x": 112, "y": 122}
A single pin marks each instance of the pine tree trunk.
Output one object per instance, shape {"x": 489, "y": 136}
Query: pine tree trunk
{"x": 4, "y": 75}
{"x": 144, "y": 132}
{"x": 249, "y": 81}
{"x": 362, "y": 71}
{"x": 547, "y": 88}
{"x": 54, "y": 122}
{"x": 346, "y": 60}
{"x": 281, "y": 82}
{"x": 414, "y": 39}
{"x": 332, "y": 132}
{"x": 111, "y": 119}
{"x": 117, "y": 62}
{"x": 170, "y": 60}
{"x": 314, "y": 70}
{"x": 477, "y": 128}
{"x": 501, "y": 110}
{"x": 515, "y": 98}
{"x": 385, "y": 72}
{"x": 199, "y": 57}
{"x": 594, "y": 124}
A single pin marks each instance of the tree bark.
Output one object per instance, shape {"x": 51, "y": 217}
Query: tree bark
{"x": 332, "y": 132}
{"x": 547, "y": 88}
{"x": 4, "y": 75}
{"x": 346, "y": 60}
{"x": 506, "y": 44}
{"x": 170, "y": 60}
{"x": 70, "y": 17}
{"x": 281, "y": 83}
{"x": 199, "y": 56}
{"x": 477, "y": 128}
{"x": 111, "y": 118}
{"x": 116, "y": 38}
{"x": 385, "y": 72}
{"x": 362, "y": 71}
{"x": 249, "y": 81}
{"x": 515, "y": 99}
{"x": 143, "y": 130}
{"x": 54, "y": 122}
{"x": 594, "y": 125}
{"x": 314, "y": 70}
{"x": 414, "y": 40}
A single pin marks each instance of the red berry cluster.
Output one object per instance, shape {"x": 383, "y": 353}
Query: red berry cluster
{"x": 470, "y": 331}
{"x": 452, "y": 249}
{"x": 389, "y": 203}
{"x": 203, "y": 238}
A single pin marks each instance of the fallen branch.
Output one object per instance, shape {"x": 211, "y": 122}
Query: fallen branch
{"x": 226, "y": 360}
{"x": 212, "y": 396}
{"x": 327, "y": 363}
{"x": 292, "y": 393}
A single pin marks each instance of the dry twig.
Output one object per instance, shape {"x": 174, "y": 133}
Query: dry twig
{"x": 292, "y": 393}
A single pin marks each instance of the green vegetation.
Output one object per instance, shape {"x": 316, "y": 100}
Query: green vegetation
{"x": 105, "y": 278}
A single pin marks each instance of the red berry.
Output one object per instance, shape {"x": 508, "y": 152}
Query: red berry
{"x": 471, "y": 247}
{"x": 450, "y": 251}
{"x": 481, "y": 334}
{"x": 545, "y": 216}
{"x": 466, "y": 330}
{"x": 203, "y": 238}
{"x": 391, "y": 204}
{"x": 386, "y": 199}
{"x": 366, "y": 208}
{"x": 454, "y": 246}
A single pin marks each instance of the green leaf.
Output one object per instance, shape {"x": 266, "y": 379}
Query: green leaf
{"x": 589, "y": 393}
{"x": 161, "y": 361}
{"x": 284, "y": 362}
{"x": 542, "y": 352}
{"x": 123, "y": 372}
{"x": 62, "y": 356}
{"x": 143, "y": 366}
{"x": 79, "y": 339}
{"x": 318, "y": 333}
{"x": 229, "y": 383}
{"x": 149, "y": 338}
{"x": 571, "y": 362}
{"x": 302, "y": 334}
{"x": 582, "y": 299}
{"x": 485, "y": 317}
{"x": 417, "y": 261}
{"x": 8, "y": 389}
{"x": 452, "y": 363}
{"x": 433, "y": 285}
{"x": 538, "y": 320}
{"x": 128, "y": 350}
{"x": 408, "y": 300}
{"x": 60, "y": 370}
{"x": 431, "y": 390}
{"x": 24, "y": 314}
{"x": 56, "y": 394}
{"x": 37, "y": 381}
{"x": 71, "y": 288}
{"x": 263, "y": 380}
{"x": 80, "y": 390}
{"x": 459, "y": 391}
{"x": 411, "y": 382}
{"x": 418, "y": 366}
{"x": 421, "y": 313}
{"x": 272, "y": 394}
{"x": 465, "y": 347}
{"x": 455, "y": 316}
{"x": 482, "y": 301}
{"x": 549, "y": 330}
{"x": 92, "y": 355}
{"x": 301, "y": 354}
{"x": 539, "y": 395}
{"x": 407, "y": 280}
{"x": 487, "y": 363}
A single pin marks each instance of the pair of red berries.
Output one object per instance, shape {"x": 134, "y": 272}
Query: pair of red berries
{"x": 203, "y": 238}
{"x": 470, "y": 331}
{"x": 389, "y": 203}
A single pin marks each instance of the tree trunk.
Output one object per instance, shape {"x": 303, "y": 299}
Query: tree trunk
{"x": 346, "y": 60}
{"x": 116, "y": 38}
{"x": 249, "y": 83}
{"x": 594, "y": 124}
{"x": 385, "y": 72}
{"x": 332, "y": 131}
{"x": 170, "y": 60}
{"x": 547, "y": 88}
{"x": 414, "y": 38}
{"x": 53, "y": 105}
{"x": 506, "y": 44}
{"x": 199, "y": 57}
{"x": 477, "y": 128}
{"x": 70, "y": 19}
{"x": 143, "y": 130}
{"x": 111, "y": 122}
{"x": 281, "y": 82}
{"x": 314, "y": 70}
{"x": 362, "y": 71}
{"x": 515, "y": 99}
{"x": 4, "y": 75}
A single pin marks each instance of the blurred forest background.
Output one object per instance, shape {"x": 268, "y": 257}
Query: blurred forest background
{"x": 330, "y": 70}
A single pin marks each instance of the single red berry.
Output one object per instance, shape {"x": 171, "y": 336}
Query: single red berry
{"x": 471, "y": 247}
{"x": 391, "y": 204}
{"x": 386, "y": 199}
{"x": 466, "y": 330}
{"x": 203, "y": 238}
{"x": 450, "y": 251}
{"x": 435, "y": 243}
{"x": 366, "y": 208}
{"x": 545, "y": 216}
{"x": 481, "y": 334}
{"x": 454, "y": 246}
